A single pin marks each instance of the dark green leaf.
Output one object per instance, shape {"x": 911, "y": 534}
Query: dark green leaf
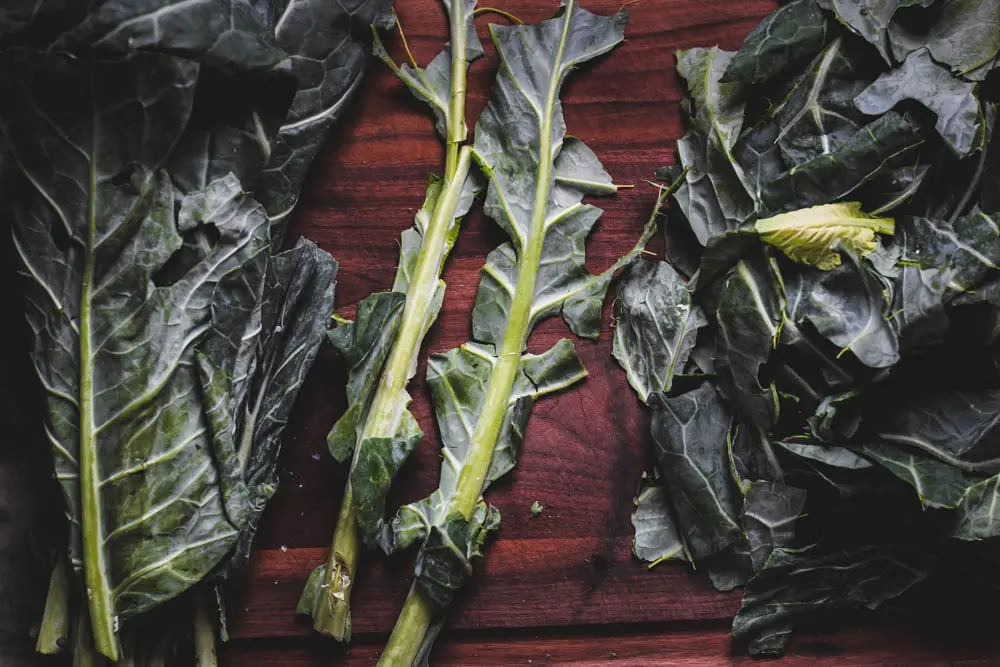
{"x": 749, "y": 318}
{"x": 870, "y": 19}
{"x": 834, "y": 176}
{"x": 657, "y": 326}
{"x": 964, "y": 35}
{"x": 793, "y": 33}
{"x": 690, "y": 433}
{"x": 937, "y": 484}
{"x": 115, "y": 328}
{"x": 977, "y": 513}
{"x": 656, "y": 535}
{"x": 819, "y": 117}
{"x": 960, "y": 119}
{"x": 770, "y": 510}
{"x": 365, "y": 344}
{"x": 847, "y": 307}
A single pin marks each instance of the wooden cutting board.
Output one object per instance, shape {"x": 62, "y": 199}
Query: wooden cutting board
{"x": 562, "y": 587}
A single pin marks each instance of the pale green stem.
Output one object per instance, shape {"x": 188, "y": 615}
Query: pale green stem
{"x": 418, "y": 612}
{"x": 386, "y": 411}
{"x": 457, "y": 131}
{"x": 54, "y": 631}
{"x": 84, "y": 654}
{"x": 97, "y": 590}
{"x": 204, "y": 633}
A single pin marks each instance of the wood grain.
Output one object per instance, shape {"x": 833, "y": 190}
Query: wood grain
{"x": 878, "y": 645}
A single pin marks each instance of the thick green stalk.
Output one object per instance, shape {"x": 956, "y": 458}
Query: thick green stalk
{"x": 55, "y": 628}
{"x": 417, "y": 613}
{"x": 97, "y": 589}
{"x": 457, "y": 131}
{"x": 386, "y": 410}
{"x": 84, "y": 654}
{"x": 204, "y": 633}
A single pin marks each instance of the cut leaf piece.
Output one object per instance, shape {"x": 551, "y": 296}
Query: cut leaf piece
{"x": 960, "y": 119}
{"x": 814, "y": 235}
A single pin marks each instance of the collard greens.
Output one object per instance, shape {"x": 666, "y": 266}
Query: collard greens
{"x": 378, "y": 432}
{"x": 819, "y": 352}
{"x": 161, "y": 147}
{"x": 483, "y": 391}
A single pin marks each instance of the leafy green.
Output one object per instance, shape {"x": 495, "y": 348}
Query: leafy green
{"x": 833, "y": 422}
{"x": 814, "y": 235}
{"x": 960, "y": 119}
{"x": 378, "y": 433}
{"x": 795, "y": 32}
{"x": 656, "y": 328}
{"x": 963, "y": 34}
{"x": 483, "y": 391}
{"x": 171, "y": 338}
{"x": 870, "y": 19}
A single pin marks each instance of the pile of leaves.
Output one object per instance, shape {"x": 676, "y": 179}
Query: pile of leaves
{"x": 161, "y": 147}
{"x": 820, "y": 349}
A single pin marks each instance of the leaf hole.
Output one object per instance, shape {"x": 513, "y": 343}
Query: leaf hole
{"x": 60, "y": 237}
{"x": 197, "y": 244}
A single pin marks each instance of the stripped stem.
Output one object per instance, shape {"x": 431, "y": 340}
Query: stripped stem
{"x": 204, "y": 633}
{"x": 418, "y": 611}
{"x": 385, "y": 414}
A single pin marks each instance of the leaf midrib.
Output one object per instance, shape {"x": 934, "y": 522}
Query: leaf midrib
{"x": 496, "y": 401}
{"x": 96, "y": 575}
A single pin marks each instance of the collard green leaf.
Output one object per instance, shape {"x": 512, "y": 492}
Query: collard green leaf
{"x": 937, "y": 484}
{"x": 459, "y": 380}
{"x": 960, "y": 119}
{"x": 96, "y": 234}
{"x": 955, "y": 427}
{"x": 445, "y": 561}
{"x": 563, "y": 285}
{"x": 690, "y": 435}
{"x": 834, "y": 176}
{"x": 818, "y": 117}
{"x": 296, "y": 304}
{"x": 770, "y": 510}
{"x": 814, "y": 235}
{"x": 794, "y": 584}
{"x": 327, "y": 65}
{"x": 484, "y": 390}
{"x": 365, "y": 344}
{"x": 749, "y": 318}
{"x": 964, "y": 35}
{"x": 831, "y": 455}
{"x": 711, "y": 198}
{"x": 978, "y": 512}
{"x": 656, "y": 536}
{"x": 846, "y": 306}
{"x": 717, "y": 107}
{"x": 938, "y": 261}
{"x": 870, "y": 19}
{"x": 657, "y": 326}
{"x": 433, "y": 84}
{"x": 223, "y": 34}
{"x": 795, "y": 32}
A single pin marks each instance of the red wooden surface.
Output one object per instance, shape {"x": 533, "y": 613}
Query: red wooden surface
{"x": 569, "y": 570}
{"x": 561, "y": 588}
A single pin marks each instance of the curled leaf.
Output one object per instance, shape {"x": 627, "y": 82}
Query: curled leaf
{"x": 812, "y": 235}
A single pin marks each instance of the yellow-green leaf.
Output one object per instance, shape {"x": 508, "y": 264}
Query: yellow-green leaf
{"x": 813, "y": 235}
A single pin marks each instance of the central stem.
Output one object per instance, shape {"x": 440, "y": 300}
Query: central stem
{"x": 418, "y": 611}
{"x": 97, "y": 590}
{"x": 386, "y": 411}
{"x": 204, "y": 633}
